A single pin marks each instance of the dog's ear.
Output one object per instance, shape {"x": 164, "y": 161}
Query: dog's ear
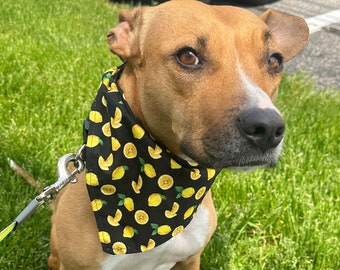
{"x": 123, "y": 39}
{"x": 289, "y": 31}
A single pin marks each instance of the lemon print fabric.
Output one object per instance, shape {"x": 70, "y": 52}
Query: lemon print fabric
{"x": 141, "y": 195}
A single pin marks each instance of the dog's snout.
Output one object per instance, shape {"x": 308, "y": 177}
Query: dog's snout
{"x": 264, "y": 128}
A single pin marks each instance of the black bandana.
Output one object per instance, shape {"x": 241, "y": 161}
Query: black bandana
{"x": 140, "y": 193}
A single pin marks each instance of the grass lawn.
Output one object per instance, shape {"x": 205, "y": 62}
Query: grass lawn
{"x": 52, "y": 55}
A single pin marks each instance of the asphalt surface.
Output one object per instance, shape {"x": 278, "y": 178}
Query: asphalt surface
{"x": 321, "y": 57}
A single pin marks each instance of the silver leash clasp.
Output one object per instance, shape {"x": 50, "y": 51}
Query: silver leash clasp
{"x": 65, "y": 176}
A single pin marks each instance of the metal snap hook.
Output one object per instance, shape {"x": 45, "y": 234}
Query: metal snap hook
{"x": 63, "y": 172}
{"x": 64, "y": 175}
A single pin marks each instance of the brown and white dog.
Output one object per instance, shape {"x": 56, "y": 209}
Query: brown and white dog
{"x": 201, "y": 80}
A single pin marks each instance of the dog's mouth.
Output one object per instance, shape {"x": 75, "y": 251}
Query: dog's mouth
{"x": 239, "y": 161}
{"x": 230, "y": 152}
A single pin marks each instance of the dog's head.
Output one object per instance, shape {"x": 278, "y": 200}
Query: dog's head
{"x": 202, "y": 78}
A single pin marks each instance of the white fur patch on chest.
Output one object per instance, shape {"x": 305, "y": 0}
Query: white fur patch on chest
{"x": 165, "y": 256}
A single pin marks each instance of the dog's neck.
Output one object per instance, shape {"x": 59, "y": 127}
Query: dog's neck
{"x": 128, "y": 82}
{"x": 142, "y": 195}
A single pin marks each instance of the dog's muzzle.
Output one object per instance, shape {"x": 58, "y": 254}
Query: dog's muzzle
{"x": 253, "y": 139}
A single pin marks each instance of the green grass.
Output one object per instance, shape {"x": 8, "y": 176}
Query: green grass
{"x": 52, "y": 56}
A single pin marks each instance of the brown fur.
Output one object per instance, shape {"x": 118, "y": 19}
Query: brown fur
{"x": 177, "y": 106}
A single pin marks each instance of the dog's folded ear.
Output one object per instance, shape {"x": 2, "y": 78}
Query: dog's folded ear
{"x": 289, "y": 31}
{"x": 123, "y": 39}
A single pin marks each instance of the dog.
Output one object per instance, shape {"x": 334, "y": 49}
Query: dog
{"x": 199, "y": 82}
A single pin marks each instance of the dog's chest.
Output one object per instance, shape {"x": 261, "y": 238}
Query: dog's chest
{"x": 165, "y": 256}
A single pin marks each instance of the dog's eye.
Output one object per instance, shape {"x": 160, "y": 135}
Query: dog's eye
{"x": 275, "y": 62}
{"x": 188, "y": 57}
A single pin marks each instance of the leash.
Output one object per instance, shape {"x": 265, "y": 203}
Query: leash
{"x": 64, "y": 177}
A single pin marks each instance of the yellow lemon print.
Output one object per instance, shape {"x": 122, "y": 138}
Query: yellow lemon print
{"x": 114, "y": 221}
{"x": 165, "y": 181}
{"x": 188, "y": 192}
{"x": 137, "y": 186}
{"x": 95, "y": 117}
{"x": 106, "y": 129}
{"x": 119, "y": 172}
{"x": 93, "y": 141}
{"x": 108, "y": 189}
{"x": 193, "y": 163}
{"x": 115, "y": 144}
{"x": 174, "y": 164}
{"x": 200, "y": 193}
{"x": 164, "y": 230}
{"x": 173, "y": 212}
{"x": 155, "y": 153}
{"x": 161, "y": 230}
{"x": 169, "y": 214}
{"x": 195, "y": 174}
{"x": 137, "y": 131}
{"x": 106, "y": 82}
{"x": 189, "y": 212}
{"x": 126, "y": 201}
{"x": 92, "y": 179}
{"x": 104, "y": 237}
{"x": 112, "y": 88}
{"x": 115, "y": 121}
{"x": 97, "y": 204}
{"x": 141, "y": 217}
{"x": 149, "y": 170}
{"x": 104, "y": 164}
{"x": 104, "y": 101}
{"x": 130, "y": 150}
{"x": 155, "y": 199}
{"x": 211, "y": 173}
{"x": 112, "y": 70}
{"x": 128, "y": 232}
{"x": 151, "y": 245}
{"x": 119, "y": 248}
{"x": 129, "y": 204}
{"x": 175, "y": 207}
{"x": 177, "y": 230}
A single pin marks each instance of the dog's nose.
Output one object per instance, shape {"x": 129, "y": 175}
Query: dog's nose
{"x": 264, "y": 128}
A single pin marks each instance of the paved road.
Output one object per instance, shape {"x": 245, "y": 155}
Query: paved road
{"x": 321, "y": 58}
